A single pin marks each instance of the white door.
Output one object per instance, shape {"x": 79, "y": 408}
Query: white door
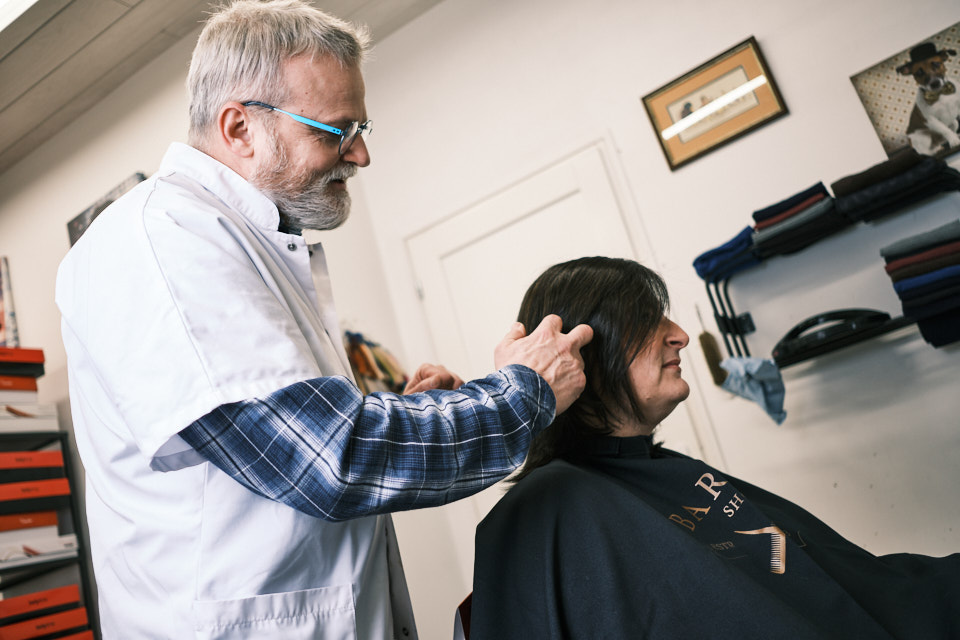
{"x": 474, "y": 267}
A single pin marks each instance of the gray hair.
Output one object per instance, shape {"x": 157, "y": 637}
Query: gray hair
{"x": 242, "y": 47}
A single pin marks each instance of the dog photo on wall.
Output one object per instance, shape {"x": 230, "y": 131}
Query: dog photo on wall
{"x": 912, "y": 98}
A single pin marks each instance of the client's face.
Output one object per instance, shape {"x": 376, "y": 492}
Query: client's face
{"x": 656, "y": 378}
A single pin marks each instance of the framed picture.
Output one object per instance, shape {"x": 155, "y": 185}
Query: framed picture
{"x": 79, "y": 223}
{"x": 912, "y": 97}
{"x": 719, "y": 101}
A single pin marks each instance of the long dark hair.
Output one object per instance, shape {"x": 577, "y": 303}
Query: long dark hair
{"x": 624, "y": 302}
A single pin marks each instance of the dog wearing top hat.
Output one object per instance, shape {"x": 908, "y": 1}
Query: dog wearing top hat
{"x": 935, "y": 119}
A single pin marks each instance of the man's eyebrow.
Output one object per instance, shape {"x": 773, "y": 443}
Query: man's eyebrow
{"x": 340, "y": 123}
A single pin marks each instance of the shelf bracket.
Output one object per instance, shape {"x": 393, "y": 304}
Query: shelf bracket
{"x": 732, "y": 327}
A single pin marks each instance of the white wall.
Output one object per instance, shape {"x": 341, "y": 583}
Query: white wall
{"x": 473, "y": 96}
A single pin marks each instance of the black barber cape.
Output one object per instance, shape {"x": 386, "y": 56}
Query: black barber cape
{"x": 636, "y": 541}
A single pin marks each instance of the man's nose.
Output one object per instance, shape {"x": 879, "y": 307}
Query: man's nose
{"x": 358, "y": 153}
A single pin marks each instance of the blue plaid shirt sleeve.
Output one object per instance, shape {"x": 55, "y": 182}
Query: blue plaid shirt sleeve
{"x": 324, "y": 449}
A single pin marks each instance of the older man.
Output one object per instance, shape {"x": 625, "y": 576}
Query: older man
{"x": 238, "y": 481}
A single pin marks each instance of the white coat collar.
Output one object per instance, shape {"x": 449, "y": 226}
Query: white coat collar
{"x": 226, "y": 184}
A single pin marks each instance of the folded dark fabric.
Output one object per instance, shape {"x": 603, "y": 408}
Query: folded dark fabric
{"x": 907, "y": 198}
{"x": 927, "y": 167}
{"x": 933, "y": 295}
{"x": 919, "y": 311}
{"x": 949, "y": 232}
{"x": 810, "y": 215}
{"x": 926, "y": 282}
{"x": 928, "y": 178}
{"x": 780, "y": 217}
{"x": 941, "y": 329}
{"x": 795, "y": 212}
{"x": 898, "y": 162}
{"x": 779, "y": 207}
{"x": 922, "y": 256}
{"x": 932, "y": 278}
{"x": 801, "y": 237}
{"x": 734, "y": 265}
{"x": 734, "y": 255}
{"x": 926, "y": 266}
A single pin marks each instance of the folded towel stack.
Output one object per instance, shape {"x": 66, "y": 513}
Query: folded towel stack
{"x": 925, "y": 270}
{"x": 903, "y": 179}
{"x": 796, "y": 222}
{"x": 732, "y": 256}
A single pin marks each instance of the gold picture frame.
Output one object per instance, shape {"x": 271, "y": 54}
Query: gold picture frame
{"x": 714, "y": 104}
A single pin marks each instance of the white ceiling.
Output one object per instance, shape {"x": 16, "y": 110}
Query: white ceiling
{"x": 58, "y": 58}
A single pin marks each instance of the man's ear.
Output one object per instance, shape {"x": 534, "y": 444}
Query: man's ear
{"x": 233, "y": 130}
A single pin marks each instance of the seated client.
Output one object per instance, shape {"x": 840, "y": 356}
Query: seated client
{"x": 606, "y": 534}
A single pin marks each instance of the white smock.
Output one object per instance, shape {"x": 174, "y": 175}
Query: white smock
{"x": 180, "y": 297}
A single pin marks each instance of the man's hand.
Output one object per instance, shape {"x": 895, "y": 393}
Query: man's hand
{"x": 551, "y": 353}
{"x": 433, "y": 376}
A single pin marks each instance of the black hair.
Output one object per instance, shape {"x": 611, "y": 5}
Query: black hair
{"x": 624, "y": 303}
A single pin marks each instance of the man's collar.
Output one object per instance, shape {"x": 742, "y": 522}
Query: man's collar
{"x": 223, "y": 182}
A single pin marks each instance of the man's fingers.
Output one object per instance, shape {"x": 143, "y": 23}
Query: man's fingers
{"x": 433, "y": 376}
{"x": 516, "y": 332}
{"x": 551, "y": 323}
{"x": 552, "y": 354}
{"x": 580, "y": 335}
{"x": 426, "y": 384}
{"x": 412, "y": 387}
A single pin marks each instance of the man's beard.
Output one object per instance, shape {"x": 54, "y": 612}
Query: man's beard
{"x": 305, "y": 201}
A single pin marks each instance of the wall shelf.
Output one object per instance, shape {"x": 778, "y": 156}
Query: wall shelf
{"x": 735, "y": 326}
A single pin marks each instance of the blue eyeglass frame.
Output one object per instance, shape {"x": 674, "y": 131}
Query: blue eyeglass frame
{"x": 318, "y": 125}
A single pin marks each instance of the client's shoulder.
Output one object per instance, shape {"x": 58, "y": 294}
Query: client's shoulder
{"x": 557, "y": 470}
{"x": 557, "y": 487}
{"x": 553, "y": 477}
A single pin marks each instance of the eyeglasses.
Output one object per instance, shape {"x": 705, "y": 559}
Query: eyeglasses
{"x": 347, "y": 136}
